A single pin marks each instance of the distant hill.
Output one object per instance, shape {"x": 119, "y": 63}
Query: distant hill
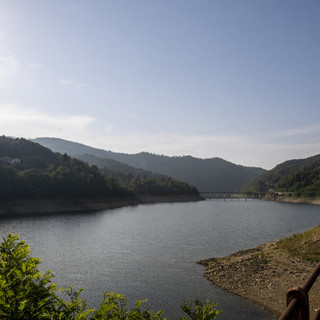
{"x": 213, "y": 174}
{"x": 117, "y": 166}
{"x": 29, "y": 170}
{"x": 300, "y": 177}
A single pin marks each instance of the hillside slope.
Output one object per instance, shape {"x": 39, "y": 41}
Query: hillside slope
{"x": 117, "y": 166}
{"x": 31, "y": 171}
{"x": 213, "y": 174}
{"x": 301, "y": 177}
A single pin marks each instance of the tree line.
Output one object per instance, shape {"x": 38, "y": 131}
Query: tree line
{"x": 41, "y": 173}
{"x": 66, "y": 177}
{"x": 141, "y": 185}
{"x": 302, "y": 183}
{"x": 299, "y": 178}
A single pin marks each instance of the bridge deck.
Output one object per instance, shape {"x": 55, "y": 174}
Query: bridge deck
{"x": 231, "y": 195}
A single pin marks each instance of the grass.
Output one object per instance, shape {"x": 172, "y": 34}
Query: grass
{"x": 304, "y": 245}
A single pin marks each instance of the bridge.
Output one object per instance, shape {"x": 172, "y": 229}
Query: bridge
{"x": 230, "y": 195}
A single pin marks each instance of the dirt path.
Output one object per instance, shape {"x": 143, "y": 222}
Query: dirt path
{"x": 263, "y": 275}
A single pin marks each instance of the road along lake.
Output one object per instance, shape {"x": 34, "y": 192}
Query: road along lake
{"x": 150, "y": 251}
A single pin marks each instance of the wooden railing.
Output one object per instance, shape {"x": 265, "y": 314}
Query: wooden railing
{"x": 298, "y": 300}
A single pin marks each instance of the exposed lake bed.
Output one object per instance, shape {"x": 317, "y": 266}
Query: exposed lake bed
{"x": 262, "y": 275}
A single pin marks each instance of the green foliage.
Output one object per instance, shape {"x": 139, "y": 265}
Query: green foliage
{"x": 296, "y": 177}
{"x": 301, "y": 183}
{"x": 9, "y": 182}
{"x": 114, "y": 307}
{"x": 304, "y": 245}
{"x": 75, "y": 308}
{"x": 142, "y": 185}
{"x": 40, "y": 173}
{"x": 26, "y": 294}
{"x": 32, "y": 155}
{"x": 198, "y": 311}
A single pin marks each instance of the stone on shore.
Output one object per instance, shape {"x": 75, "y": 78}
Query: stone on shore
{"x": 263, "y": 275}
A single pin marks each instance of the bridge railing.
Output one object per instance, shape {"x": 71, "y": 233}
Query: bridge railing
{"x": 298, "y": 300}
{"x": 231, "y": 195}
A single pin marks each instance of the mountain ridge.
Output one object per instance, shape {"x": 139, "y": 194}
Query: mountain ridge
{"x": 301, "y": 177}
{"x": 210, "y": 174}
{"x": 29, "y": 170}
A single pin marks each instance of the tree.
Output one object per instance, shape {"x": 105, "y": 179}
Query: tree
{"x": 24, "y": 292}
{"x": 114, "y": 307}
{"x": 27, "y": 294}
{"x": 198, "y": 311}
{"x": 8, "y": 178}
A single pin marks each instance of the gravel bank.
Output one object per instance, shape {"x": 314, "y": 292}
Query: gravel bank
{"x": 263, "y": 275}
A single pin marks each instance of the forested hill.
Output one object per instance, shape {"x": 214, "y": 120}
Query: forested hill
{"x": 213, "y": 174}
{"x": 300, "y": 177}
{"x": 117, "y": 166}
{"x": 29, "y": 170}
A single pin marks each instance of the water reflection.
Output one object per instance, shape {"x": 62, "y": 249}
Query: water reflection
{"x": 149, "y": 251}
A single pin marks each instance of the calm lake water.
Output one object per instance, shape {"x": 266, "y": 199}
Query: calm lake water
{"x": 149, "y": 251}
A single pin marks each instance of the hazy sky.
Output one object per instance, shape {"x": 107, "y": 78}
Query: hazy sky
{"x": 236, "y": 79}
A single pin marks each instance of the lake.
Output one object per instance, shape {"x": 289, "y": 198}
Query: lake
{"x": 150, "y": 251}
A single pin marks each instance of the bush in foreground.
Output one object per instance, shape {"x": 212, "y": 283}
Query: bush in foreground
{"x": 27, "y": 294}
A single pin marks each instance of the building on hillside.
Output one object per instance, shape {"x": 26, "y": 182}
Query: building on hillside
{"x": 9, "y": 160}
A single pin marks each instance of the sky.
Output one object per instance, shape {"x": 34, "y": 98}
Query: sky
{"x": 235, "y": 79}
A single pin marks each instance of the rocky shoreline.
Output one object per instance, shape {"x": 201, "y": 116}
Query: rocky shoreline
{"x": 298, "y": 200}
{"x": 262, "y": 275}
{"x": 44, "y": 206}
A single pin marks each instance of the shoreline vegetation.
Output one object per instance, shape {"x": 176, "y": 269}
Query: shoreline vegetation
{"x": 264, "y": 274}
{"x": 39, "y": 206}
{"x": 27, "y": 206}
